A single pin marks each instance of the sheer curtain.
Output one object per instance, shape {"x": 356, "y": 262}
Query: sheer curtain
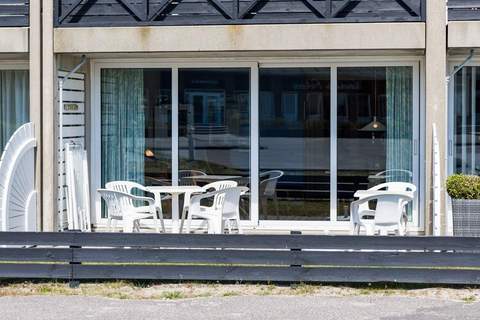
{"x": 123, "y": 125}
{"x": 14, "y": 102}
{"x": 399, "y": 124}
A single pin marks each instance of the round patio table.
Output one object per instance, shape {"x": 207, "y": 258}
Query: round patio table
{"x": 175, "y": 191}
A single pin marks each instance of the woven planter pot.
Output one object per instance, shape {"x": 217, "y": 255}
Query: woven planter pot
{"x": 466, "y": 217}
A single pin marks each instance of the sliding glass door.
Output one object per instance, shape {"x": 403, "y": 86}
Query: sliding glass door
{"x": 302, "y": 138}
{"x": 374, "y": 130}
{"x": 14, "y": 102}
{"x": 294, "y": 155}
{"x": 466, "y": 122}
{"x": 136, "y": 112}
{"x": 214, "y": 127}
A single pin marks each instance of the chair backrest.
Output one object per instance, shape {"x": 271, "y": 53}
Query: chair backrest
{"x": 217, "y": 186}
{"x": 117, "y": 201}
{"x": 125, "y": 187}
{"x": 390, "y": 207}
{"x": 395, "y": 186}
{"x": 231, "y": 202}
{"x": 182, "y": 174}
{"x": 268, "y": 181}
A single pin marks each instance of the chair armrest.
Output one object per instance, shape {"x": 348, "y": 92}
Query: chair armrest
{"x": 150, "y": 201}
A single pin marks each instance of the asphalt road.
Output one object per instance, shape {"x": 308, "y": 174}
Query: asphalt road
{"x": 245, "y": 308}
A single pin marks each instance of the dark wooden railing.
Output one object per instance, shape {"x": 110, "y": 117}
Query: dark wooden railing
{"x": 463, "y": 10}
{"x": 198, "y": 12}
{"x": 14, "y": 13}
{"x": 288, "y": 258}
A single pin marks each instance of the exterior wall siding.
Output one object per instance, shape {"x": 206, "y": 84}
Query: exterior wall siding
{"x": 201, "y": 12}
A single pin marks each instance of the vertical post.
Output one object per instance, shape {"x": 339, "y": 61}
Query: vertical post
{"x": 35, "y": 74}
{"x": 175, "y": 150}
{"x": 49, "y": 111}
{"x": 294, "y": 232}
{"x": 435, "y": 98}
{"x": 255, "y": 144}
{"x": 464, "y": 121}
{"x": 333, "y": 143}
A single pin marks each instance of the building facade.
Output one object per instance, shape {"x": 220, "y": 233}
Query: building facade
{"x": 322, "y": 97}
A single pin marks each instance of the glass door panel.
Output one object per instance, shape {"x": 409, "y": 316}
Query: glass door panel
{"x": 136, "y": 140}
{"x": 214, "y": 127}
{"x": 294, "y": 125}
{"x": 467, "y": 121}
{"x": 374, "y": 130}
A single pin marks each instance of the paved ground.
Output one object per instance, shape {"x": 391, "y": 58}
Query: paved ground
{"x": 245, "y": 308}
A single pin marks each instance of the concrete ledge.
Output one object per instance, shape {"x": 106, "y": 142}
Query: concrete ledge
{"x": 13, "y": 40}
{"x": 464, "y": 34}
{"x": 355, "y": 36}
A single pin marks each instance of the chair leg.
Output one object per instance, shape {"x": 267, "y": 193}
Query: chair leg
{"x": 128, "y": 225}
{"x": 189, "y": 222}
{"x": 109, "y": 224}
{"x": 239, "y": 228}
{"x": 162, "y": 222}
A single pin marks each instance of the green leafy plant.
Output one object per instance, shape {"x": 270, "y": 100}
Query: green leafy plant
{"x": 460, "y": 186}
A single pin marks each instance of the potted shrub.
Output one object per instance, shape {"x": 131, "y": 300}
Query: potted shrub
{"x": 465, "y": 193}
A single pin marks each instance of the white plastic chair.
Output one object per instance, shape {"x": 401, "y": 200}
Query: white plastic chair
{"x": 388, "y": 186}
{"x": 268, "y": 188}
{"x": 120, "y": 207}
{"x": 225, "y": 209}
{"x": 214, "y": 186}
{"x": 389, "y": 214}
{"x": 127, "y": 187}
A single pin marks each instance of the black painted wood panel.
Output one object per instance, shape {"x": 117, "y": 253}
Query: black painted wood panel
{"x": 463, "y": 10}
{"x": 14, "y": 13}
{"x": 290, "y": 258}
{"x": 200, "y": 12}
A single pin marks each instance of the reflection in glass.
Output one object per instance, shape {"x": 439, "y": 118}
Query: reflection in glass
{"x": 214, "y": 127}
{"x": 374, "y": 135}
{"x": 294, "y": 112}
{"x": 136, "y": 126}
{"x": 467, "y": 121}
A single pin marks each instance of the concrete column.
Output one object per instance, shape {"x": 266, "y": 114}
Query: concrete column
{"x": 435, "y": 96}
{"x": 35, "y": 69}
{"x": 49, "y": 120}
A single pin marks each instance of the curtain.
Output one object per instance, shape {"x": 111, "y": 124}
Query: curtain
{"x": 399, "y": 124}
{"x": 14, "y": 102}
{"x": 122, "y": 125}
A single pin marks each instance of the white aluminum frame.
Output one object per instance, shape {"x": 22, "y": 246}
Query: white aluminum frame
{"x": 450, "y": 139}
{"x": 417, "y": 64}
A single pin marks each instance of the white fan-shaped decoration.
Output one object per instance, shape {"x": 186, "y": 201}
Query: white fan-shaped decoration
{"x": 17, "y": 181}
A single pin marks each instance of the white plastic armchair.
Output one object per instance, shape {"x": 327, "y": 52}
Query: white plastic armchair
{"x": 128, "y": 187}
{"x": 389, "y": 214}
{"x": 222, "y": 213}
{"x": 120, "y": 207}
{"x": 268, "y": 189}
{"x": 387, "y": 186}
{"x": 215, "y": 203}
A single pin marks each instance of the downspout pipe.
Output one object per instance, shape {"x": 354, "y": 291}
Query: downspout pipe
{"x": 460, "y": 67}
{"x": 61, "y": 83}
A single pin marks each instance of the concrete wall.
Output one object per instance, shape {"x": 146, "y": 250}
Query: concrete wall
{"x": 464, "y": 34}
{"x": 354, "y": 36}
{"x": 14, "y": 40}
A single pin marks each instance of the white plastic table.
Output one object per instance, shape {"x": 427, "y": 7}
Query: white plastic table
{"x": 175, "y": 191}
